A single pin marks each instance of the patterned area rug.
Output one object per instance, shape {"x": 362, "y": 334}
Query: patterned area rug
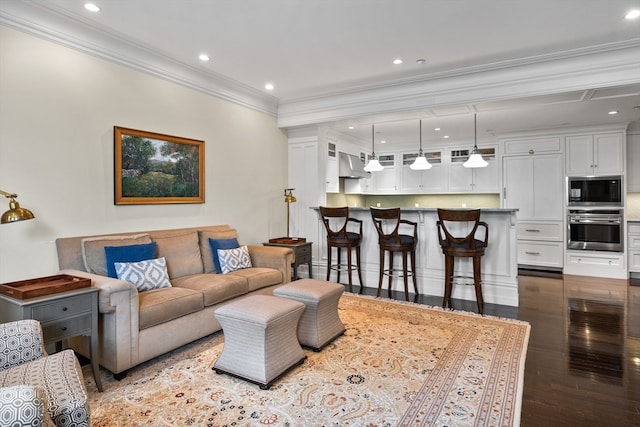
{"x": 398, "y": 364}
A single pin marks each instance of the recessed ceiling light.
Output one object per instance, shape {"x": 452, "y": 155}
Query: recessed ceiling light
{"x": 436, "y": 129}
{"x": 633, "y": 14}
{"x": 613, "y": 112}
{"x": 420, "y": 61}
{"x": 446, "y": 137}
{"x": 351, "y": 128}
{"x": 91, "y": 7}
{"x": 383, "y": 142}
{"x": 269, "y": 86}
{"x": 204, "y": 57}
{"x": 398, "y": 61}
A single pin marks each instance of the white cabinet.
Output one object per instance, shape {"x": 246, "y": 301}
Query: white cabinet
{"x": 595, "y": 154}
{"x": 633, "y": 162}
{"x": 332, "y": 181}
{"x": 473, "y": 180}
{"x": 422, "y": 181}
{"x": 633, "y": 246}
{"x": 386, "y": 180}
{"x": 533, "y": 184}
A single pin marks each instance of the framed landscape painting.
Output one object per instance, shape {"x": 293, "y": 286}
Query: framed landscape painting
{"x": 151, "y": 168}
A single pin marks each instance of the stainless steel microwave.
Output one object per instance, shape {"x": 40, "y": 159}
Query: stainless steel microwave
{"x": 595, "y": 191}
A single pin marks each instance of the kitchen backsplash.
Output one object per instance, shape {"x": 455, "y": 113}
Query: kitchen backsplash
{"x": 421, "y": 200}
{"x": 633, "y": 205}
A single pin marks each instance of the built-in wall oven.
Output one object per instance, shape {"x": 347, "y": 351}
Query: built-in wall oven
{"x": 595, "y": 229}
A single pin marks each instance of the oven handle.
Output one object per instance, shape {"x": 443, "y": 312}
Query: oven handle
{"x": 594, "y": 221}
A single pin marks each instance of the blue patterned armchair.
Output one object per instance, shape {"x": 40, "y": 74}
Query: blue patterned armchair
{"x": 37, "y": 389}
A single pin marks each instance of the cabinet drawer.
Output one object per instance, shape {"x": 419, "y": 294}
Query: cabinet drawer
{"x": 634, "y": 241}
{"x": 70, "y": 327}
{"x": 634, "y": 261}
{"x": 633, "y": 228}
{"x": 532, "y": 145}
{"x": 65, "y": 307}
{"x": 547, "y": 254}
{"x": 589, "y": 259}
{"x": 539, "y": 231}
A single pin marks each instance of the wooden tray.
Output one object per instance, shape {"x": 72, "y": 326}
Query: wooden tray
{"x": 288, "y": 240}
{"x": 42, "y": 286}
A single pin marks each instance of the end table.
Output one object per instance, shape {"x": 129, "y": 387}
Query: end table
{"x": 63, "y": 315}
{"x": 302, "y": 255}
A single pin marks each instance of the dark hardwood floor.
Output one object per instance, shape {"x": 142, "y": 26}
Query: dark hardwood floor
{"x": 583, "y": 359}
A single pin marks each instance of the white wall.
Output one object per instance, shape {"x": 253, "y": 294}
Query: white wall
{"x": 58, "y": 107}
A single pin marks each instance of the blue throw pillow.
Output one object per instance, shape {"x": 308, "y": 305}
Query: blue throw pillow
{"x": 128, "y": 253}
{"x": 221, "y": 244}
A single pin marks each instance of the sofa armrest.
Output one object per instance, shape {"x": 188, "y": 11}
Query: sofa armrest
{"x": 24, "y": 405}
{"x": 28, "y": 333}
{"x": 273, "y": 257}
{"x": 108, "y": 287}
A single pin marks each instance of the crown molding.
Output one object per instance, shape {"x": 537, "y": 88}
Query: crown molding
{"x": 57, "y": 28}
{"x": 609, "y": 65}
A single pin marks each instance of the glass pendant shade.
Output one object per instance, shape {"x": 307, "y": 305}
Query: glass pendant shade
{"x": 421, "y": 162}
{"x": 475, "y": 160}
{"x": 373, "y": 165}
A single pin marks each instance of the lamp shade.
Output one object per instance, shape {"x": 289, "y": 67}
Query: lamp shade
{"x": 15, "y": 213}
{"x": 420, "y": 163}
{"x": 475, "y": 161}
{"x": 373, "y": 165}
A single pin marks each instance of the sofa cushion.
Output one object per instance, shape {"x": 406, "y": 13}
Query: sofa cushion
{"x": 95, "y": 260}
{"x": 215, "y": 245}
{"x": 128, "y": 253}
{"x": 145, "y": 275}
{"x": 182, "y": 253}
{"x": 234, "y": 259}
{"x": 205, "y": 246}
{"x": 258, "y": 277}
{"x": 24, "y": 405}
{"x": 161, "y": 305}
{"x": 214, "y": 287}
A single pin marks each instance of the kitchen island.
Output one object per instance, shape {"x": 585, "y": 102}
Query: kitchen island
{"x": 499, "y": 265}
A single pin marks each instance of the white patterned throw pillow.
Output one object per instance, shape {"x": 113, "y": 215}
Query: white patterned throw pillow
{"x": 234, "y": 259}
{"x": 145, "y": 275}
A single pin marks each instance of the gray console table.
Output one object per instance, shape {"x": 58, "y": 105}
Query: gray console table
{"x": 62, "y": 315}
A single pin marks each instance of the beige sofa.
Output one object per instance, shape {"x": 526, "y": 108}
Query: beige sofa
{"x": 137, "y": 326}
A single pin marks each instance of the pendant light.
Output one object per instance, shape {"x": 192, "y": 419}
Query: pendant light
{"x": 373, "y": 165}
{"x": 421, "y": 162}
{"x": 475, "y": 160}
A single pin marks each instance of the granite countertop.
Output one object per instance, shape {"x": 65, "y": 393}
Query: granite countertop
{"x": 488, "y": 210}
{"x": 633, "y": 219}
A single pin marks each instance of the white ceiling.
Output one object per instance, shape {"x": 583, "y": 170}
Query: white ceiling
{"x": 311, "y": 48}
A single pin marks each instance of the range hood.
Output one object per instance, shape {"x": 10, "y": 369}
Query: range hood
{"x": 351, "y": 166}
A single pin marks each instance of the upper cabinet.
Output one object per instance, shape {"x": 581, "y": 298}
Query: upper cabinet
{"x": 475, "y": 180}
{"x": 332, "y": 182}
{"x": 633, "y": 162}
{"x": 595, "y": 154}
{"x": 422, "y": 181}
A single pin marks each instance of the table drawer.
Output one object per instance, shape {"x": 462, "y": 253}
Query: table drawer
{"x": 65, "y": 307}
{"x": 539, "y": 231}
{"x": 70, "y": 327}
{"x": 547, "y": 254}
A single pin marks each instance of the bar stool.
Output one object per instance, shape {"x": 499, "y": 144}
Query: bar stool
{"x": 389, "y": 219}
{"x": 467, "y": 246}
{"x": 336, "y": 222}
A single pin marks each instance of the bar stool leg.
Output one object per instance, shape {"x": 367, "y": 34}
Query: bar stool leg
{"x": 448, "y": 274}
{"x": 339, "y": 249}
{"x": 328, "y": 262}
{"x": 381, "y": 272}
{"x": 413, "y": 272}
{"x": 477, "y": 284}
{"x": 349, "y": 267}
{"x": 359, "y": 271}
{"x": 404, "y": 273}
{"x": 390, "y": 273}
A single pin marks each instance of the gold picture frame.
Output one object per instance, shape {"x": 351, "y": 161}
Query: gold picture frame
{"x": 152, "y": 168}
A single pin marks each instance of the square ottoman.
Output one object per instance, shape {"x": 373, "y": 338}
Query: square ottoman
{"x": 320, "y": 323}
{"x": 260, "y": 342}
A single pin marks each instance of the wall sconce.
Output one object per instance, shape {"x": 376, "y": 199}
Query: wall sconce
{"x": 15, "y": 212}
{"x": 288, "y": 199}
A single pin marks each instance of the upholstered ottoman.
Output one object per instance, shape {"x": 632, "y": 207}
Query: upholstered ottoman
{"x": 320, "y": 323}
{"x": 260, "y": 342}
